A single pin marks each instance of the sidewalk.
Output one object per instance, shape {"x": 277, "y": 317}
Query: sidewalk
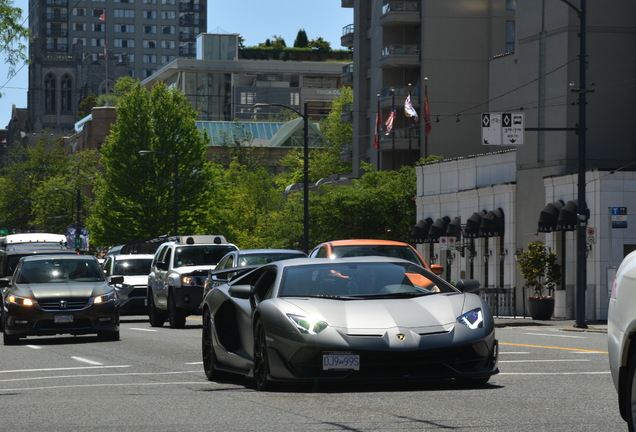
{"x": 562, "y": 324}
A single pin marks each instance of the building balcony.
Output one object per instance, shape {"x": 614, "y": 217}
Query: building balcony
{"x": 347, "y": 75}
{"x": 400, "y": 55}
{"x": 56, "y": 2}
{"x": 402, "y": 139}
{"x": 346, "y": 3}
{"x": 400, "y": 13}
{"x": 185, "y": 37}
{"x": 56, "y": 32}
{"x": 189, "y": 22}
{"x": 189, "y": 7}
{"x": 346, "y": 39}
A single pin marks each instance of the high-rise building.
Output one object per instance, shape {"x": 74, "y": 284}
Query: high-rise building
{"x": 81, "y": 47}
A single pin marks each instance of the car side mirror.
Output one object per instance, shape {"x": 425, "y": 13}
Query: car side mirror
{"x": 437, "y": 269}
{"x": 4, "y": 282}
{"x": 240, "y": 291}
{"x": 468, "y": 285}
{"x": 116, "y": 280}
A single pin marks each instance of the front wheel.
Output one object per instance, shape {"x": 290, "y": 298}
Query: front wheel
{"x": 207, "y": 349}
{"x": 176, "y": 317}
{"x": 629, "y": 403}
{"x": 155, "y": 316}
{"x": 261, "y": 360}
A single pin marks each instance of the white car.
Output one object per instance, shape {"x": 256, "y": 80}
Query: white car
{"x": 133, "y": 291}
{"x": 621, "y": 337}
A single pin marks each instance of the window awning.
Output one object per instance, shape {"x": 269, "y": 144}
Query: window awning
{"x": 567, "y": 217}
{"x": 454, "y": 228}
{"x": 438, "y": 229}
{"x": 419, "y": 232}
{"x": 549, "y": 217}
{"x": 471, "y": 230}
{"x": 492, "y": 224}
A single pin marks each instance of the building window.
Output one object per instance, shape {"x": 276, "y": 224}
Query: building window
{"x": 168, "y": 30}
{"x": 150, "y": 29}
{"x": 66, "y": 84}
{"x": 168, "y": 15}
{"x": 511, "y": 5}
{"x": 150, "y": 44}
{"x": 168, "y": 44}
{"x": 168, "y": 2}
{"x": 124, "y": 13}
{"x": 98, "y": 13}
{"x": 125, "y": 1}
{"x": 150, "y": 58}
{"x": 510, "y": 36}
{"x": 49, "y": 92}
{"x": 79, "y": 11}
{"x": 149, "y": 72}
{"x": 124, "y": 43}
{"x": 294, "y": 99}
{"x": 79, "y": 40}
{"x": 124, "y": 28}
{"x": 79, "y": 27}
{"x": 96, "y": 42}
{"x": 150, "y": 1}
{"x": 150, "y": 14}
{"x": 167, "y": 59}
{"x": 248, "y": 98}
{"x": 99, "y": 27}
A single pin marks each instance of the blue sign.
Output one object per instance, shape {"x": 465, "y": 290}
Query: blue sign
{"x": 619, "y": 217}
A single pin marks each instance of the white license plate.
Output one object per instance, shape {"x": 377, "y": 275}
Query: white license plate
{"x": 340, "y": 361}
{"x": 63, "y": 319}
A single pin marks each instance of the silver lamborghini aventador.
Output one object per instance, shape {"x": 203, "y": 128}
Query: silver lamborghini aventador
{"x": 365, "y": 318}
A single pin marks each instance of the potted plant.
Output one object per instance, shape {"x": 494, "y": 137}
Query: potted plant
{"x": 542, "y": 273}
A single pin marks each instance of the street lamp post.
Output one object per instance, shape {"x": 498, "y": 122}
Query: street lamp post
{"x": 175, "y": 184}
{"x": 581, "y": 247}
{"x": 305, "y": 117}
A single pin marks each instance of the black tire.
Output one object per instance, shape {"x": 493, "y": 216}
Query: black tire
{"x": 176, "y": 317}
{"x": 207, "y": 349}
{"x": 9, "y": 339}
{"x": 155, "y": 316}
{"x": 630, "y": 394}
{"x": 261, "y": 359}
{"x": 109, "y": 335}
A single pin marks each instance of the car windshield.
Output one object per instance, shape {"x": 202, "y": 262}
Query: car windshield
{"x": 59, "y": 271}
{"x": 200, "y": 254}
{"x": 132, "y": 267}
{"x": 266, "y": 258}
{"x": 360, "y": 280}
{"x": 393, "y": 251}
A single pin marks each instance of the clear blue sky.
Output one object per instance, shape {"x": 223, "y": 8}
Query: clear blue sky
{"x": 255, "y": 20}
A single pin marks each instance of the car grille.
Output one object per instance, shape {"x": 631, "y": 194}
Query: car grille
{"x": 138, "y": 292}
{"x": 58, "y": 304}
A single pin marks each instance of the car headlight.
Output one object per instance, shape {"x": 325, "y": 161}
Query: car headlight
{"x": 307, "y": 325}
{"x": 105, "y": 298}
{"x": 188, "y": 281}
{"x": 22, "y": 301}
{"x": 473, "y": 319}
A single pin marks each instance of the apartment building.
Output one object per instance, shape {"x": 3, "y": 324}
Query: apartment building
{"x": 79, "y": 47}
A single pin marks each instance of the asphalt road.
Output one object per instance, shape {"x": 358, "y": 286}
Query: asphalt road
{"x": 550, "y": 380}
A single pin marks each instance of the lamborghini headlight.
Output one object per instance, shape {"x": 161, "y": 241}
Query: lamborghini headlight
{"x": 473, "y": 319}
{"x": 105, "y": 298}
{"x": 307, "y": 325}
{"x": 22, "y": 301}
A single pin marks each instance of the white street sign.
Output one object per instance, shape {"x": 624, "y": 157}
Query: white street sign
{"x": 491, "y": 128}
{"x": 502, "y": 128}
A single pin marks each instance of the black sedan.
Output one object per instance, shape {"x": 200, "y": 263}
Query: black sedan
{"x": 365, "y": 318}
{"x": 59, "y": 294}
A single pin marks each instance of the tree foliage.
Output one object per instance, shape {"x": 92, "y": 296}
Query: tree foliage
{"x": 301, "y": 40}
{"x": 135, "y": 195}
{"x": 13, "y": 35}
{"x": 319, "y": 44}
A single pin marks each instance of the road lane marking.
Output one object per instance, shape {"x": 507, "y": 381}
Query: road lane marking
{"x": 94, "y": 375}
{"x": 33, "y": 346}
{"x": 194, "y": 363}
{"x": 553, "y": 347}
{"x": 61, "y": 369}
{"x": 514, "y": 352}
{"x": 553, "y": 373}
{"x": 556, "y": 335}
{"x": 143, "y": 329}
{"x": 543, "y": 361}
{"x": 91, "y": 362}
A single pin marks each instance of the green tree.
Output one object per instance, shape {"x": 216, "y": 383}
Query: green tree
{"x": 319, "y": 44}
{"x": 134, "y": 198}
{"x": 86, "y": 105}
{"x": 26, "y": 169}
{"x": 301, "y": 39}
{"x": 13, "y": 35}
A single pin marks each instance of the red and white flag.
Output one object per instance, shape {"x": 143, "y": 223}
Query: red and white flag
{"x": 378, "y": 127}
{"x": 389, "y": 121}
